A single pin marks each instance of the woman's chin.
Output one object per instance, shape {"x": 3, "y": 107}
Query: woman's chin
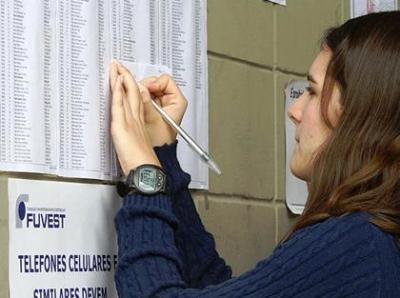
{"x": 299, "y": 171}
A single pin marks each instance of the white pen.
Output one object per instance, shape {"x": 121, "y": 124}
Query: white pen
{"x": 203, "y": 155}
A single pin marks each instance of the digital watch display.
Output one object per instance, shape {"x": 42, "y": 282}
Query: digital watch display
{"x": 145, "y": 179}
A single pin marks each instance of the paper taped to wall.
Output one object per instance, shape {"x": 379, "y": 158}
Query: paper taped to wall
{"x": 62, "y": 241}
{"x": 55, "y": 100}
{"x": 281, "y": 2}
{"x": 296, "y": 189}
{"x": 363, "y": 7}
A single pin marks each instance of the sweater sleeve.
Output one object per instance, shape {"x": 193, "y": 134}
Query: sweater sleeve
{"x": 201, "y": 263}
{"x": 336, "y": 258}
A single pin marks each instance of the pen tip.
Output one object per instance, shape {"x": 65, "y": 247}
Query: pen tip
{"x": 214, "y": 167}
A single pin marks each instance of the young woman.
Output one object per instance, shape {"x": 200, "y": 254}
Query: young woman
{"x": 348, "y": 151}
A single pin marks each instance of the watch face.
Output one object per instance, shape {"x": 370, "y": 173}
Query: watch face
{"x": 148, "y": 179}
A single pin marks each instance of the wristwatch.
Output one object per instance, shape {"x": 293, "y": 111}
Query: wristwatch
{"x": 145, "y": 179}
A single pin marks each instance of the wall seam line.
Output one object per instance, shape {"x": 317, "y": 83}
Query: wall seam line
{"x": 238, "y": 198}
{"x": 239, "y": 60}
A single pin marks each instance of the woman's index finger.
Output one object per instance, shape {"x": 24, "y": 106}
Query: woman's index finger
{"x": 128, "y": 78}
{"x": 113, "y": 75}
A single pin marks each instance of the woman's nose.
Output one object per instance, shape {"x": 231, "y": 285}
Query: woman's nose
{"x": 295, "y": 111}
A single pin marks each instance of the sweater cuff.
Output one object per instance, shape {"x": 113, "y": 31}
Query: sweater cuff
{"x": 177, "y": 179}
{"x": 145, "y": 219}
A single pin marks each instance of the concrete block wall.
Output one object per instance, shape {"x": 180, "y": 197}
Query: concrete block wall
{"x": 254, "y": 48}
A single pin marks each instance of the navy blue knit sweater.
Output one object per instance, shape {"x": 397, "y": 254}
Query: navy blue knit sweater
{"x": 165, "y": 251}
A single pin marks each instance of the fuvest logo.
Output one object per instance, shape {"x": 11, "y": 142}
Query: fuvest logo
{"x": 37, "y": 218}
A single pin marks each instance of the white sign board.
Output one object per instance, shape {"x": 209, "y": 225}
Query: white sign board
{"x": 296, "y": 189}
{"x": 363, "y": 7}
{"x": 62, "y": 240}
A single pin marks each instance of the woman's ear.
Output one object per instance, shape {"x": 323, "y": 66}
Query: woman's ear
{"x": 336, "y": 103}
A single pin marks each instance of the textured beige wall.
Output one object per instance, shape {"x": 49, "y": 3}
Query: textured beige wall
{"x": 255, "y": 47}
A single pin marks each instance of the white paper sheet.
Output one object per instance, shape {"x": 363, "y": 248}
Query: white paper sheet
{"x": 55, "y": 97}
{"x": 79, "y": 90}
{"x": 296, "y": 189}
{"x": 281, "y": 2}
{"x": 27, "y": 128}
{"x": 189, "y": 52}
{"x": 363, "y": 7}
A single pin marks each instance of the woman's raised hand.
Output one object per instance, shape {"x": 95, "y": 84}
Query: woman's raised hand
{"x": 168, "y": 96}
{"x": 130, "y": 137}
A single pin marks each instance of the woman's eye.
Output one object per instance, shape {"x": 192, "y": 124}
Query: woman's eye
{"x": 310, "y": 90}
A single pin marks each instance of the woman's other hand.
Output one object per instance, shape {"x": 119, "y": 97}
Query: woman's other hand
{"x": 131, "y": 140}
{"x": 168, "y": 96}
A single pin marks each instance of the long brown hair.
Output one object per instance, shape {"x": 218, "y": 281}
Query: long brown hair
{"x": 358, "y": 167}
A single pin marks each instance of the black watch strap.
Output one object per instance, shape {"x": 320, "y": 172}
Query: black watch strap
{"x": 122, "y": 189}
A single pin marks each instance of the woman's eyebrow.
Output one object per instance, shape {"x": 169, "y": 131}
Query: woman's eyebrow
{"x": 311, "y": 79}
